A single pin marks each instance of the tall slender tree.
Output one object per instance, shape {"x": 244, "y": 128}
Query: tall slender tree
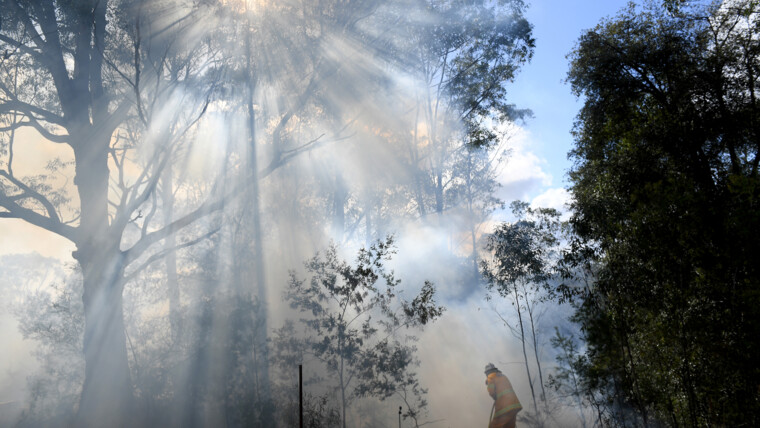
{"x": 521, "y": 266}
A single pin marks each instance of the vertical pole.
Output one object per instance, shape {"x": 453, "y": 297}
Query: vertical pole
{"x": 399, "y": 416}
{"x": 300, "y": 395}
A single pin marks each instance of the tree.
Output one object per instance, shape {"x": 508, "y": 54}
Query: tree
{"x": 122, "y": 86}
{"x": 464, "y": 54}
{"x": 66, "y": 76}
{"x": 665, "y": 184}
{"x": 521, "y": 266}
{"x": 53, "y": 318}
{"x": 466, "y": 60}
{"x": 354, "y": 316}
{"x": 474, "y": 185}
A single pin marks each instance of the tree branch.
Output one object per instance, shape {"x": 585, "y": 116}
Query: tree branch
{"x": 158, "y": 256}
{"x": 138, "y": 199}
{"x": 31, "y": 193}
{"x": 205, "y": 209}
{"x": 55, "y": 138}
{"x": 37, "y": 219}
{"x": 22, "y": 47}
{"x": 29, "y": 26}
{"x": 16, "y": 105}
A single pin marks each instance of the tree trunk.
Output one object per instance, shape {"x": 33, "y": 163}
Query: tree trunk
{"x": 172, "y": 281}
{"x": 439, "y": 190}
{"x": 576, "y": 388}
{"x": 471, "y": 212}
{"x": 172, "y": 286}
{"x": 342, "y": 397}
{"x": 535, "y": 350}
{"x": 106, "y": 398}
{"x": 525, "y": 353}
{"x": 415, "y": 161}
{"x": 260, "y": 334}
{"x": 368, "y": 206}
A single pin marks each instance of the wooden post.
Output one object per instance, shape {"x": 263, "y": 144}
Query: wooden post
{"x": 399, "y": 416}
{"x": 300, "y": 395}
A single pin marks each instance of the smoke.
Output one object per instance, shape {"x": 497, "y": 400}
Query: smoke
{"x": 347, "y": 151}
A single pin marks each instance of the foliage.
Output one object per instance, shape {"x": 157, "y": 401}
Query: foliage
{"x": 465, "y": 54}
{"x": 469, "y": 54}
{"x": 318, "y": 412}
{"x": 354, "y": 316}
{"x": 567, "y": 379}
{"x": 53, "y": 318}
{"x": 521, "y": 268}
{"x": 88, "y": 77}
{"x": 665, "y": 187}
{"x": 525, "y": 251}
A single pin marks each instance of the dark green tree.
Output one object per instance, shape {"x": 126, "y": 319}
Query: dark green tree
{"x": 665, "y": 185}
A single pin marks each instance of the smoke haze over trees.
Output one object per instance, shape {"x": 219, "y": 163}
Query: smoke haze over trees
{"x": 250, "y": 186}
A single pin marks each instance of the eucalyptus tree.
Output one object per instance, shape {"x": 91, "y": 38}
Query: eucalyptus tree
{"x": 452, "y": 63}
{"x": 521, "y": 267}
{"x": 305, "y": 97}
{"x": 465, "y": 59}
{"x": 665, "y": 181}
{"x": 68, "y": 75}
{"x": 473, "y": 188}
{"x": 464, "y": 54}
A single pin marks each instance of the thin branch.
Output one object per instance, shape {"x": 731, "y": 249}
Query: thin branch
{"x": 118, "y": 71}
{"x": 72, "y": 221}
{"x": 152, "y": 181}
{"x": 55, "y": 138}
{"x": 20, "y": 46}
{"x": 14, "y": 104}
{"x": 157, "y": 90}
{"x": 280, "y": 161}
{"x": 136, "y": 85}
{"x": 115, "y": 118}
{"x": 149, "y": 217}
{"x": 506, "y": 323}
{"x": 205, "y": 209}
{"x": 160, "y": 255}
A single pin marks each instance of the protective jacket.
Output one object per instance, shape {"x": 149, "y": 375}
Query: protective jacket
{"x": 507, "y": 405}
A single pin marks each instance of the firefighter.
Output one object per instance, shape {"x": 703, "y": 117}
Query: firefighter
{"x": 506, "y": 405}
